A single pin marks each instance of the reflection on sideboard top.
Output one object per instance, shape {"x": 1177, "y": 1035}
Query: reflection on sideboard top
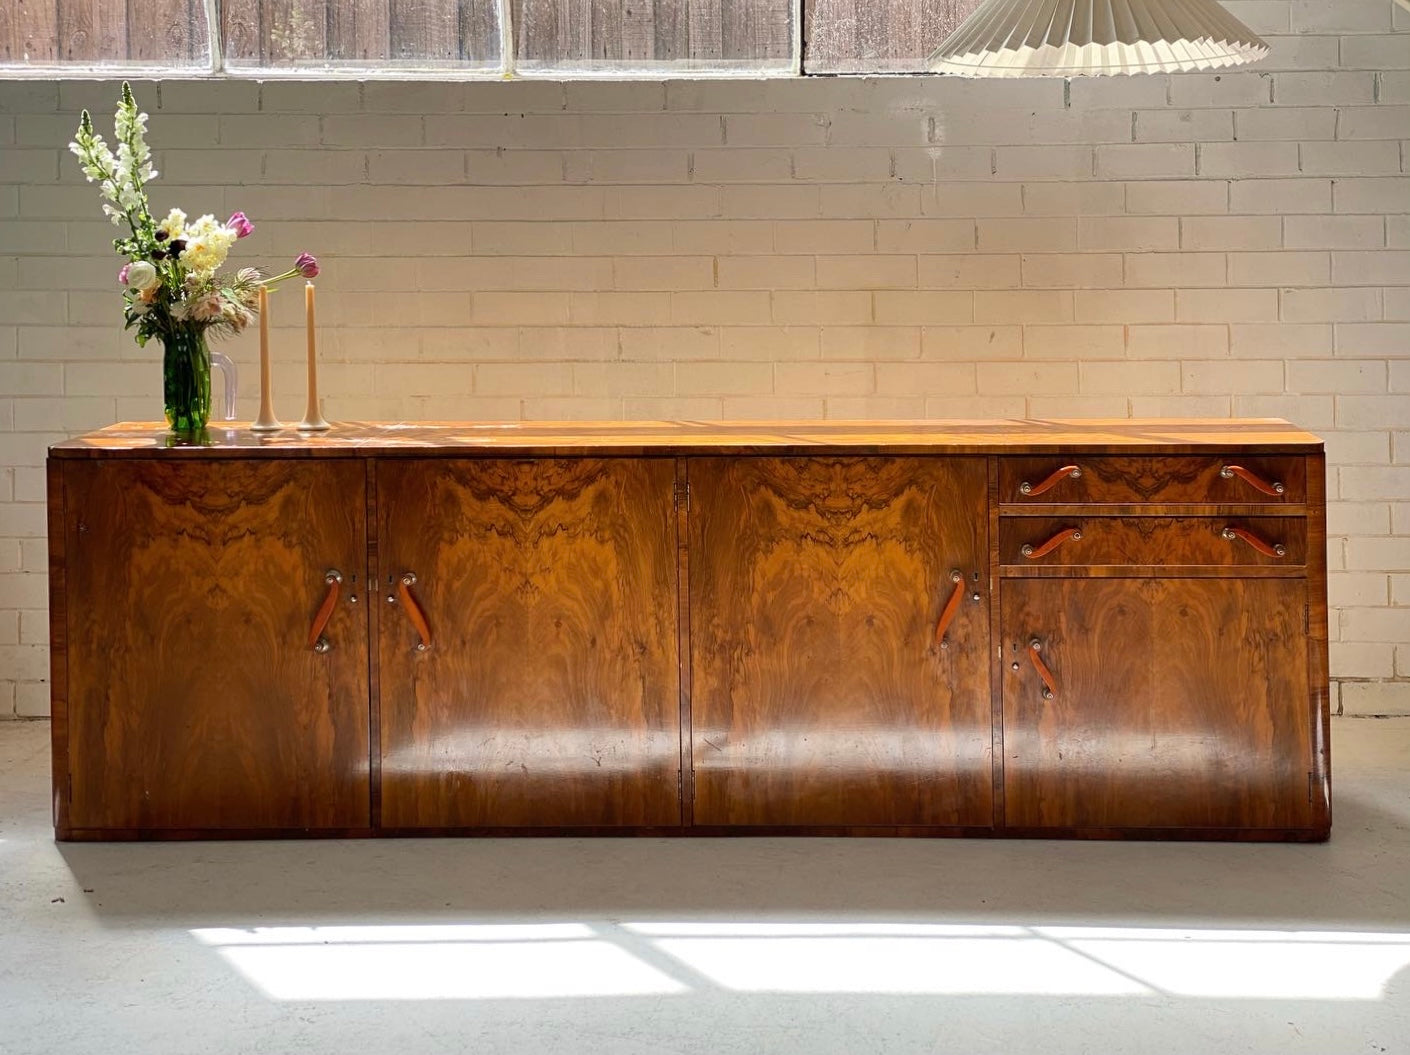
{"x": 421, "y": 438}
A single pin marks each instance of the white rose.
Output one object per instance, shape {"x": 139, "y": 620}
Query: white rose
{"x": 141, "y": 275}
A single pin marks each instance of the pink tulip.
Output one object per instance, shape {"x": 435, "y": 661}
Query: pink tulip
{"x": 122, "y": 275}
{"x": 240, "y": 224}
{"x": 306, "y": 265}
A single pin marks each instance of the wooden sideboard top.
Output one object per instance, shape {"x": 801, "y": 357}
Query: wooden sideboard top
{"x": 423, "y": 438}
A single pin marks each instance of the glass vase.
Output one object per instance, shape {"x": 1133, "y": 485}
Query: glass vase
{"x": 186, "y": 379}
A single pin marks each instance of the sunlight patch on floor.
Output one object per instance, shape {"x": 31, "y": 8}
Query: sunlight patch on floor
{"x": 597, "y": 959}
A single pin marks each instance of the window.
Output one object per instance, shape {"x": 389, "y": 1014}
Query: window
{"x": 866, "y": 36}
{"x": 487, "y": 38}
{"x": 48, "y": 33}
{"x": 660, "y": 35}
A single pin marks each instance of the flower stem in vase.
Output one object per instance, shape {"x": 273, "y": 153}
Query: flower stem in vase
{"x": 186, "y": 379}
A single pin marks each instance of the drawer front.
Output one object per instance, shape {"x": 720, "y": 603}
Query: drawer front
{"x": 1126, "y": 479}
{"x": 1152, "y": 541}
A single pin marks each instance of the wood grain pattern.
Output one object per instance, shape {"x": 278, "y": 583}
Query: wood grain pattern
{"x": 1170, "y": 542}
{"x": 92, "y": 30}
{"x": 193, "y": 700}
{"x": 1129, "y": 438}
{"x": 796, "y": 570}
{"x": 1180, "y": 704}
{"x": 359, "y": 30}
{"x": 550, "y": 696}
{"x": 820, "y": 696}
{"x": 649, "y": 32}
{"x": 166, "y": 32}
{"x": 293, "y": 32}
{"x": 240, "y": 32}
{"x": 28, "y": 31}
{"x": 877, "y": 36}
{"x": 1150, "y": 478}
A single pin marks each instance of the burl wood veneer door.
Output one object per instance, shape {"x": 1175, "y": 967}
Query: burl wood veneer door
{"x": 820, "y": 693}
{"x": 550, "y": 693}
{"x": 195, "y": 698}
{"x": 1177, "y": 703}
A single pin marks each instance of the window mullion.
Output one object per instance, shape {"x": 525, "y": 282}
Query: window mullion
{"x": 799, "y": 11}
{"x": 506, "y": 37}
{"x": 213, "y": 40}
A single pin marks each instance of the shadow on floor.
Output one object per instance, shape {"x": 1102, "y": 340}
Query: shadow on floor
{"x": 1361, "y": 879}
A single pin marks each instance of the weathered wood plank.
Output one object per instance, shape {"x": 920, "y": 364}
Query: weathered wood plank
{"x": 92, "y": 30}
{"x": 240, "y": 31}
{"x": 27, "y": 31}
{"x": 757, "y": 29}
{"x": 479, "y": 31}
{"x": 421, "y": 30}
{"x": 866, "y": 36}
{"x": 639, "y": 30}
{"x": 359, "y": 30}
{"x": 672, "y": 31}
{"x": 705, "y": 19}
{"x": 162, "y": 31}
{"x": 606, "y": 29}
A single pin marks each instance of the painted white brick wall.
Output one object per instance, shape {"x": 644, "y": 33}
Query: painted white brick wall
{"x": 1201, "y": 245}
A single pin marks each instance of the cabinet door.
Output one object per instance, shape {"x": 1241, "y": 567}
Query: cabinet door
{"x": 550, "y": 693}
{"x": 1178, "y": 703}
{"x": 820, "y": 694}
{"x": 195, "y": 700}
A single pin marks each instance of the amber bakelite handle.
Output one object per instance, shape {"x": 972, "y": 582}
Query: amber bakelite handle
{"x": 947, "y": 614}
{"x": 1067, "y": 472}
{"x": 1065, "y": 535}
{"x": 1268, "y": 549}
{"x": 1049, "y": 682}
{"x": 1255, "y": 481}
{"x": 413, "y": 609}
{"x": 316, "y": 640}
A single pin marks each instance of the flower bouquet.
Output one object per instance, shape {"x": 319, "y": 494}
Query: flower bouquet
{"x": 172, "y": 288}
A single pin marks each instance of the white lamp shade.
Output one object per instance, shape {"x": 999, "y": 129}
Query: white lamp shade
{"x": 1076, "y": 38}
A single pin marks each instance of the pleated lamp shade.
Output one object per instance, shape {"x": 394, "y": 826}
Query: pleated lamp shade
{"x": 1085, "y": 38}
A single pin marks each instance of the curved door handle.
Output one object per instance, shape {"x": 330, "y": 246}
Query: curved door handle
{"x": 1069, "y": 472}
{"x": 1268, "y": 549}
{"x": 413, "y": 610}
{"x": 1036, "y": 552}
{"x": 1273, "y": 488}
{"x": 947, "y": 614}
{"x": 1049, "y": 682}
{"x": 316, "y": 640}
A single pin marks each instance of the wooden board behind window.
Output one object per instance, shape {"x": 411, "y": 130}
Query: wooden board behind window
{"x": 415, "y": 32}
{"x": 697, "y": 32}
{"x": 877, "y": 36}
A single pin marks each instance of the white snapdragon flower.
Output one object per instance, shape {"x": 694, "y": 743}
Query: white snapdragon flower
{"x": 134, "y": 158}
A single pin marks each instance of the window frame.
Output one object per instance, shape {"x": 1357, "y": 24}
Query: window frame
{"x": 216, "y": 68}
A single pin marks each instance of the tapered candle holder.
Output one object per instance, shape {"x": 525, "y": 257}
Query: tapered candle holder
{"x": 266, "y": 422}
{"x": 313, "y": 417}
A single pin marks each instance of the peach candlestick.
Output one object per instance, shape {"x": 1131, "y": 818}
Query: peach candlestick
{"x": 313, "y": 415}
{"x": 266, "y": 422}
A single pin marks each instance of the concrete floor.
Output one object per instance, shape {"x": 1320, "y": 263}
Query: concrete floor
{"x": 755, "y": 946}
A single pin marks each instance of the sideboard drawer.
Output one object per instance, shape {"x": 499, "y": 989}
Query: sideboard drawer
{"x": 1157, "y": 479}
{"x": 1068, "y": 542}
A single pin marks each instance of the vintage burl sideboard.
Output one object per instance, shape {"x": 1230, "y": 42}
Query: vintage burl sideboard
{"x": 1089, "y": 629}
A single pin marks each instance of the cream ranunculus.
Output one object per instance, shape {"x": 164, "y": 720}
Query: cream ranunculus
{"x": 141, "y": 275}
